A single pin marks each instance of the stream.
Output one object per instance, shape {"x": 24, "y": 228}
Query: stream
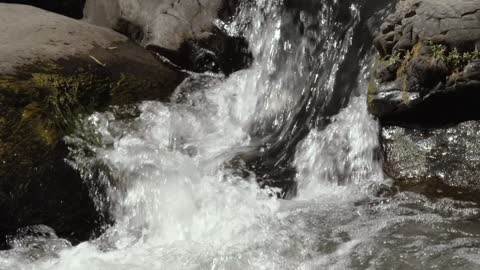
{"x": 180, "y": 179}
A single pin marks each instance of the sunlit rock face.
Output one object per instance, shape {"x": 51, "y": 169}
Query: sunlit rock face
{"x": 424, "y": 89}
{"x": 428, "y": 67}
{"x": 166, "y": 23}
{"x": 438, "y": 162}
{"x": 187, "y": 34}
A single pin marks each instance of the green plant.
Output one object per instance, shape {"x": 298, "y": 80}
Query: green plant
{"x": 454, "y": 59}
{"x": 438, "y": 50}
{"x": 391, "y": 59}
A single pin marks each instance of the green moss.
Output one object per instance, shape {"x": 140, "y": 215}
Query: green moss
{"x": 416, "y": 50}
{"x": 130, "y": 89}
{"x": 10, "y": 83}
{"x": 402, "y": 70}
{"x": 54, "y": 98}
{"x": 42, "y": 102}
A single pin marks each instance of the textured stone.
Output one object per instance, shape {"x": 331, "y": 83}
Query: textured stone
{"x": 425, "y": 91}
{"x": 440, "y": 162}
{"x": 428, "y": 50}
{"x": 183, "y": 33}
{"x": 167, "y": 23}
{"x": 53, "y": 70}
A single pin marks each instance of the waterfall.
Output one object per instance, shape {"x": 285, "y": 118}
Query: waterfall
{"x": 181, "y": 179}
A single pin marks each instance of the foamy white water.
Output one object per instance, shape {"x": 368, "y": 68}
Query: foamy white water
{"x": 179, "y": 202}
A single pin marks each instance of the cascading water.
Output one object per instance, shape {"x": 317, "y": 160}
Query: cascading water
{"x": 180, "y": 179}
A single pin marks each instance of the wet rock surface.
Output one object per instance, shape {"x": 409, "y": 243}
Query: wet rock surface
{"x": 35, "y": 242}
{"x": 428, "y": 66}
{"x": 53, "y": 70}
{"x": 441, "y": 162}
{"x": 425, "y": 92}
{"x": 218, "y": 53}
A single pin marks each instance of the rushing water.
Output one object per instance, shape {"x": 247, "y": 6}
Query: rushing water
{"x": 180, "y": 178}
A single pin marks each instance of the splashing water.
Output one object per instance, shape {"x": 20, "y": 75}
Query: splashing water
{"x": 175, "y": 176}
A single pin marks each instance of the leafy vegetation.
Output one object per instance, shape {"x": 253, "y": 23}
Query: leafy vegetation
{"x": 391, "y": 59}
{"x": 454, "y": 59}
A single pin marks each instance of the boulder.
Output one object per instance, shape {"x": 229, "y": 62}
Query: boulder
{"x": 53, "y": 70}
{"x": 186, "y": 34}
{"x": 69, "y": 8}
{"x": 439, "y": 162}
{"x": 428, "y": 68}
{"x": 166, "y": 23}
{"x": 37, "y": 241}
{"x": 425, "y": 91}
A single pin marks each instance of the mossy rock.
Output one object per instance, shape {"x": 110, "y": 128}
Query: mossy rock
{"x": 45, "y": 88}
{"x": 424, "y": 90}
{"x": 435, "y": 77}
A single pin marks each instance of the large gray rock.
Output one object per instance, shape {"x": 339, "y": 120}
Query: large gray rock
{"x": 425, "y": 92}
{"x": 442, "y": 162}
{"x": 428, "y": 68}
{"x": 186, "y": 33}
{"x": 167, "y": 23}
{"x": 28, "y": 34}
{"x": 451, "y": 22}
{"x": 53, "y": 70}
